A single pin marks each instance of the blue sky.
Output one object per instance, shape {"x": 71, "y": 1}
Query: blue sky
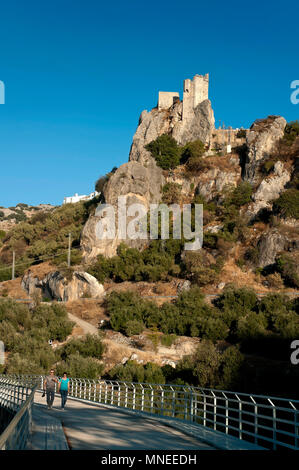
{"x": 79, "y": 73}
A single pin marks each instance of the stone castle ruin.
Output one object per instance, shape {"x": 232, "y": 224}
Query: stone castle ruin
{"x": 195, "y": 92}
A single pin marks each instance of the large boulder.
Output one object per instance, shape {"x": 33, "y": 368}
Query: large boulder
{"x": 56, "y": 286}
{"x": 139, "y": 184}
{"x": 261, "y": 139}
{"x": 269, "y": 245}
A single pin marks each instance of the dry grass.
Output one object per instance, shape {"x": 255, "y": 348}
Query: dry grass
{"x": 13, "y": 289}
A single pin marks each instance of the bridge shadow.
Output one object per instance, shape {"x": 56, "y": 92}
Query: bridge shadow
{"x": 93, "y": 427}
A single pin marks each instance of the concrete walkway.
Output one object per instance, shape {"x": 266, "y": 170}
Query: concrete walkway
{"x": 94, "y": 427}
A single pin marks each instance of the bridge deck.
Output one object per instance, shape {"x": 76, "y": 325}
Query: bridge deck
{"x": 94, "y": 427}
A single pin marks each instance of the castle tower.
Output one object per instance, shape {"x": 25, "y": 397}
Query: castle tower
{"x": 195, "y": 92}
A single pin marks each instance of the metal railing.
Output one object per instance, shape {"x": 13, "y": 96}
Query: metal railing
{"x": 16, "y": 396}
{"x": 270, "y": 422}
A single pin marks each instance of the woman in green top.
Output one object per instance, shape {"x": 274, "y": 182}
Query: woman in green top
{"x": 64, "y": 387}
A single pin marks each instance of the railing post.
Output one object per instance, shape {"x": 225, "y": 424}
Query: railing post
{"x": 204, "y": 409}
{"x": 152, "y": 400}
{"x": 255, "y": 420}
{"x": 274, "y": 423}
{"x": 134, "y": 397}
{"x": 118, "y": 394}
{"x": 142, "y": 398}
{"x": 296, "y": 425}
{"x": 112, "y": 394}
{"x": 106, "y": 392}
{"x": 215, "y": 411}
{"x": 226, "y": 413}
{"x": 240, "y": 417}
{"x": 173, "y": 403}
{"x": 162, "y": 401}
{"x": 296, "y": 430}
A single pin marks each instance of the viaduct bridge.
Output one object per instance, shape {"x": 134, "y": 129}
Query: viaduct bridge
{"x": 110, "y": 415}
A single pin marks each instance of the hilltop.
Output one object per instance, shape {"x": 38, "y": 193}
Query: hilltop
{"x": 10, "y": 216}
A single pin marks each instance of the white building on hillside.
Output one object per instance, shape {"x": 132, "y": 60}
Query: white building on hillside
{"x": 77, "y": 198}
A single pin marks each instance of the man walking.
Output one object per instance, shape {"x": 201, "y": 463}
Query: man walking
{"x": 49, "y": 388}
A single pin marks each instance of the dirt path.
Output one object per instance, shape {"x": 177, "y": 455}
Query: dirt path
{"x": 84, "y": 325}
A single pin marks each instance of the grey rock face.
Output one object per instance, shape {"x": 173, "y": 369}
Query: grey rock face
{"x": 268, "y": 246}
{"x": 269, "y": 189}
{"x": 260, "y": 141}
{"x": 155, "y": 123}
{"x": 200, "y": 126}
{"x": 56, "y": 287}
{"x": 139, "y": 184}
{"x": 151, "y": 125}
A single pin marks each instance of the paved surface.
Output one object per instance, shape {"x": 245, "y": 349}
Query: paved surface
{"x": 94, "y": 427}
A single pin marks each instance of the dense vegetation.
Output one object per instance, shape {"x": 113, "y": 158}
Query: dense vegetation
{"x": 44, "y": 237}
{"x": 237, "y": 316}
{"x": 26, "y": 334}
{"x": 168, "y": 154}
{"x": 130, "y": 264}
{"x": 257, "y": 334}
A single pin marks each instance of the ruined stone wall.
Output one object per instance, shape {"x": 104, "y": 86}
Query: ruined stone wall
{"x": 167, "y": 99}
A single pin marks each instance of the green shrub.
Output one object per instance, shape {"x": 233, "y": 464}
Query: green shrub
{"x": 250, "y": 327}
{"x": 195, "y": 165}
{"x": 235, "y": 303}
{"x": 152, "y": 264}
{"x": 287, "y": 267}
{"x": 78, "y": 366}
{"x": 291, "y": 132}
{"x": 241, "y": 134}
{"x": 171, "y": 193}
{"x": 268, "y": 166}
{"x": 239, "y": 196}
{"x": 207, "y": 367}
{"x": 168, "y": 340}
{"x": 89, "y": 346}
{"x": 134, "y": 372}
{"x": 134, "y": 327}
{"x": 194, "y": 149}
{"x": 166, "y": 151}
{"x": 287, "y": 204}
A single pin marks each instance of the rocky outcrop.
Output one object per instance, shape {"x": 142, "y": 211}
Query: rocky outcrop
{"x": 152, "y": 124}
{"x": 56, "y": 286}
{"x": 139, "y": 184}
{"x": 269, "y": 245}
{"x": 269, "y": 189}
{"x": 261, "y": 139}
{"x": 199, "y": 126}
{"x": 213, "y": 179}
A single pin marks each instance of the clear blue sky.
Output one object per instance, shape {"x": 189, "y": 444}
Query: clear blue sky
{"x": 79, "y": 73}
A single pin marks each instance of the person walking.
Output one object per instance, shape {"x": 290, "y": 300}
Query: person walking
{"x": 49, "y": 387}
{"x": 64, "y": 388}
